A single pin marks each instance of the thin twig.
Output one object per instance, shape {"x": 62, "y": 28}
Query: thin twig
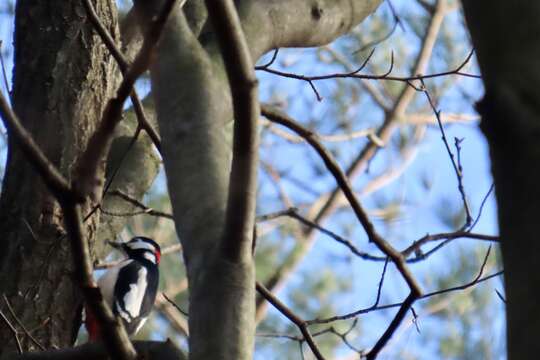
{"x": 329, "y": 330}
{"x": 289, "y": 314}
{"x": 333, "y": 235}
{"x": 270, "y": 62}
{"x": 175, "y": 319}
{"x": 19, "y": 322}
{"x": 378, "y": 41}
{"x": 13, "y": 331}
{"x": 484, "y": 200}
{"x": 414, "y": 247}
{"x": 500, "y": 296}
{"x": 383, "y": 77}
{"x": 456, "y": 164}
{"x": 381, "y": 282}
{"x": 147, "y": 210}
{"x": 395, "y": 305}
{"x": 326, "y": 138}
{"x": 275, "y": 215}
{"x": 446, "y": 236}
{"x": 183, "y": 312}
{"x": 3, "y": 65}
{"x": 395, "y": 15}
{"x": 371, "y": 88}
{"x": 476, "y": 280}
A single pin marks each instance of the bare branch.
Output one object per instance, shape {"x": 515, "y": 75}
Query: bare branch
{"x": 456, "y": 164}
{"x": 19, "y": 322}
{"x": 482, "y": 204}
{"x": 48, "y": 172}
{"x": 476, "y": 280}
{"x": 174, "y": 317}
{"x": 96, "y": 351}
{"x": 329, "y": 330}
{"x": 345, "y": 186}
{"x": 270, "y": 62}
{"x": 3, "y": 66}
{"x": 447, "y": 236}
{"x": 354, "y": 74}
{"x": 392, "y": 327}
{"x": 238, "y": 229}
{"x": 361, "y": 254}
{"x": 175, "y": 305}
{"x": 13, "y": 331}
{"x": 370, "y": 87}
{"x": 430, "y": 119}
{"x": 327, "y": 138}
{"x": 137, "y": 203}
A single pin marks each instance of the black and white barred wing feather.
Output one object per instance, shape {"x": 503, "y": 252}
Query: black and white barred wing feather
{"x": 134, "y": 296}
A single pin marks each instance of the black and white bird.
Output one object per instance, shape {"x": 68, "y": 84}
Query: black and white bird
{"x": 130, "y": 287}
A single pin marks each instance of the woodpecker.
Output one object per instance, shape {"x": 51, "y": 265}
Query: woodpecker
{"x": 130, "y": 287}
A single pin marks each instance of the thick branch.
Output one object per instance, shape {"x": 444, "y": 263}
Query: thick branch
{"x": 238, "y": 231}
{"x": 95, "y": 351}
{"x": 301, "y": 23}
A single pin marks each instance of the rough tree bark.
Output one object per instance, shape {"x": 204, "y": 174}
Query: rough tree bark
{"x": 62, "y": 79}
{"x": 505, "y": 36}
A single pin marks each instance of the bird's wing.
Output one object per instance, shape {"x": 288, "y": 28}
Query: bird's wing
{"x": 134, "y": 294}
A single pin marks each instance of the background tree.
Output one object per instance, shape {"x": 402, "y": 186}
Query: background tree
{"x": 356, "y": 115}
{"x": 510, "y": 120}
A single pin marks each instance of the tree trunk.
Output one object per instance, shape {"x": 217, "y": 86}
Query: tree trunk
{"x": 511, "y": 122}
{"x": 63, "y": 78}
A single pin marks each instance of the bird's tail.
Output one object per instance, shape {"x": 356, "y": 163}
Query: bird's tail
{"x": 92, "y": 325}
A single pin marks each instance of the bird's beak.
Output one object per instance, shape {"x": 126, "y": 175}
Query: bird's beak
{"x": 116, "y": 244}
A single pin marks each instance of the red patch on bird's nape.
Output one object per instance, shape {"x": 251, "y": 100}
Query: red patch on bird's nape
{"x": 158, "y": 257}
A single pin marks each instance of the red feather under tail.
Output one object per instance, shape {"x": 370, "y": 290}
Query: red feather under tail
{"x": 92, "y": 326}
